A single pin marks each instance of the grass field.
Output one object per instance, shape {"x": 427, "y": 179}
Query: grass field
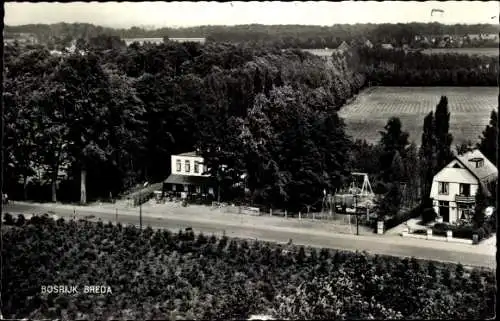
{"x": 468, "y": 51}
{"x": 470, "y": 109}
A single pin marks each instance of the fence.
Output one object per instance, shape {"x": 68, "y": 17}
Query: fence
{"x": 319, "y": 216}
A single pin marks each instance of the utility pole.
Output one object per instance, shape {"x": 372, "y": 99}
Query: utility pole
{"x": 356, "y": 213}
{"x": 140, "y": 214}
{"x": 140, "y": 206}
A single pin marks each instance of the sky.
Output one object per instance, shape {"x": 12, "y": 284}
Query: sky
{"x": 186, "y": 14}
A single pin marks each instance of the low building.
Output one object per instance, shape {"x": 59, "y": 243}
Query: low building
{"x": 368, "y": 44}
{"x": 455, "y": 186}
{"x": 129, "y": 41}
{"x": 198, "y": 40}
{"x": 189, "y": 175}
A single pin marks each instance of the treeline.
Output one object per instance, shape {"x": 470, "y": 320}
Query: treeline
{"x": 401, "y": 68}
{"x": 84, "y": 126}
{"x": 281, "y": 36}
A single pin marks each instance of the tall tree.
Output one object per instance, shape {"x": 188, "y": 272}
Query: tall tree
{"x": 428, "y": 155}
{"x": 397, "y": 173}
{"x": 480, "y": 206}
{"x": 442, "y": 134}
{"x": 412, "y": 170}
{"x": 86, "y": 112}
{"x": 393, "y": 140}
{"x": 488, "y": 144}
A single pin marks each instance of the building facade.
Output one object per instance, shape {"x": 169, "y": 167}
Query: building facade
{"x": 454, "y": 188}
{"x": 189, "y": 176}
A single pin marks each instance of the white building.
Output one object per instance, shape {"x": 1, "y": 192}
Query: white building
{"x": 198, "y": 40}
{"x": 141, "y": 41}
{"x": 189, "y": 174}
{"x": 455, "y": 186}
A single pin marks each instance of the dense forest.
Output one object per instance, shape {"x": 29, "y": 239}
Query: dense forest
{"x": 111, "y": 116}
{"x": 281, "y": 36}
{"x": 385, "y": 67}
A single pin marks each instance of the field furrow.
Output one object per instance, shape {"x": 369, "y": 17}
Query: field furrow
{"x": 469, "y": 107}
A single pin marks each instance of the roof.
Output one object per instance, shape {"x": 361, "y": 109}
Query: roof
{"x": 190, "y": 180}
{"x": 189, "y": 154}
{"x": 486, "y": 173}
{"x": 457, "y": 175}
{"x": 343, "y": 46}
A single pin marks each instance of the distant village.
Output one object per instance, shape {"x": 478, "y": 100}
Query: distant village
{"x": 419, "y": 41}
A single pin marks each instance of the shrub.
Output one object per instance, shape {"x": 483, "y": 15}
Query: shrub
{"x": 428, "y": 215}
{"x": 443, "y": 226}
{"x": 481, "y": 233}
{"x": 420, "y": 231}
{"x": 438, "y": 232}
{"x": 464, "y": 232}
{"x": 8, "y": 219}
{"x": 21, "y": 220}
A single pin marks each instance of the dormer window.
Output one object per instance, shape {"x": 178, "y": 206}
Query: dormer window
{"x": 479, "y": 161}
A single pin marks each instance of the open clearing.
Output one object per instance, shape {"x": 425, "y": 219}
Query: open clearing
{"x": 493, "y": 52}
{"x": 470, "y": 109}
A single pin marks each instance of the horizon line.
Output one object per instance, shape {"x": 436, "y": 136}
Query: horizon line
{"x": 154, "y": 27}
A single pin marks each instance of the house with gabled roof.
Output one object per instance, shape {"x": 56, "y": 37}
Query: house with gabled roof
{"x": 343, "y": 46}
{"x": 454, "y": 187}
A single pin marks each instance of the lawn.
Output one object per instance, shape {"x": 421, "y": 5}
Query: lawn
{"x": 468, "y": 51}
{"x": 470, "y": 109}
{"x": 160, "y": 275}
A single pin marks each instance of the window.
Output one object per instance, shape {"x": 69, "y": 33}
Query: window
{"x": 465, "y": 189}
{"x": 178, "y": 164}
{"x": 443, "y": 188}
{"x": 187, "y": 166}
{"x": 196, "y": 166}
{"x": 186, "y": 188}
{"x": 479, "y": 163}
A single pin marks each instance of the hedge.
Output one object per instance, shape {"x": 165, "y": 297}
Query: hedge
{"x": 145, "y": 194}
{"x": 402, "y": 217}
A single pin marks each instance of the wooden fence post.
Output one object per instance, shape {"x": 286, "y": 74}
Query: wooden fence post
{"x": 270, "y": 212}
{"x": 300, "y": 216}
{"x": 286, "y": 214}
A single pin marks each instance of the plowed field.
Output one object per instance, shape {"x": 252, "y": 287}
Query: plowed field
{"x": 469, "y": 107}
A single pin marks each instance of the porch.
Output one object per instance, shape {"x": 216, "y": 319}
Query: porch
{"x": 185, "y": 185}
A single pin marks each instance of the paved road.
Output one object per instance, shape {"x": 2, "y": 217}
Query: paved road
{"x": 390, "y": 245}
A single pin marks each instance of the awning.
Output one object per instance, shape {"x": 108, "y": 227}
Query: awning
{"x": 189, "y": 180}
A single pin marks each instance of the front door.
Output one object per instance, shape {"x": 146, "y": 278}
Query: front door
{"x": 444, "y": 211}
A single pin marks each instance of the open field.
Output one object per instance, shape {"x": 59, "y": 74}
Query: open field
{"x": 468, "y": 51}
{"x": 470, "y": 109}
